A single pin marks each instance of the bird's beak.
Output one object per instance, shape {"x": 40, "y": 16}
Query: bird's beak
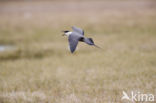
{"x": 63, "y": 34}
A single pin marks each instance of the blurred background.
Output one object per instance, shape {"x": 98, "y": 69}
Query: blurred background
{"x": 37, "y": 67}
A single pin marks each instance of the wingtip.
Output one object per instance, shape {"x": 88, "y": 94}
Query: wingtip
{"x": 71, "y": 51}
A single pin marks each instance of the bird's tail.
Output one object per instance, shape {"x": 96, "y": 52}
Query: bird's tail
{"x": 97, "y": 46}
{"x": 90, "y": 41}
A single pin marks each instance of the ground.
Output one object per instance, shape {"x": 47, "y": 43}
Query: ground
{"x": 40, "y": 69}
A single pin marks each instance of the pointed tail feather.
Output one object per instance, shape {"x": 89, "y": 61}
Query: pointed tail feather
{"x": 97, "y": 47}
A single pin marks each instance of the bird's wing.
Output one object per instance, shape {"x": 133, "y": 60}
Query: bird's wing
{"x": 78, "y": 30}
{"x": 73, "y": 41}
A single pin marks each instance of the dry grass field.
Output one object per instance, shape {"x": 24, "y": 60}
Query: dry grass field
{"x": 38, "y": 68}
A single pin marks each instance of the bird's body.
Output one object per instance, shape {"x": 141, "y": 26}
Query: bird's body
{"x": 75, "y": 36}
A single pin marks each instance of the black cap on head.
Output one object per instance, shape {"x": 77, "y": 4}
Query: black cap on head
{"x": 65, "y": 31}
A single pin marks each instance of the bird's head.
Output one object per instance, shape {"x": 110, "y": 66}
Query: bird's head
{"x": 66, "y": 33}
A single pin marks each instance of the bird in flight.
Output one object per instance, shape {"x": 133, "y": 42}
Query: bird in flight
{"x": 75, "y": 36}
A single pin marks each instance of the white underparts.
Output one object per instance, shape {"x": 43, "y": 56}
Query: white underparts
{"x": 68, "y": 33}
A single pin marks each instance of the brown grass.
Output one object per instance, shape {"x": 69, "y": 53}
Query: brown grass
{"x": 40, "y": 68}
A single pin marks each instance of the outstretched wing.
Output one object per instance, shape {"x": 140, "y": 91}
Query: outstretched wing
{"x": 78, "y": 30}
{"x": 73, "y": 41}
